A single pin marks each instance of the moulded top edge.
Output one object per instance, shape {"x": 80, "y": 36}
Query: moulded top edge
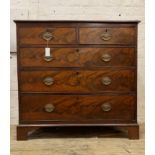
{"x": 77, "y": 21}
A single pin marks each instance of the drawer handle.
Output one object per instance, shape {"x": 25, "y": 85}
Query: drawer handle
{"x": 49, "y": 108}
{"x": 106, "y": 107}
{"x": 106, "y": 57}
{"x": 48, "y": 81}
{"x": 47, "y": 36}
{"x": 48, "y": 58}
{"x": 106, "y": 36}
{"x": 106, "y": 81}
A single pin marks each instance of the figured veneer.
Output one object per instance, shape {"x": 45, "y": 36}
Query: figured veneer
{"x": 83, "y": 81}
{"x": 34, "y": 35}
{"x": 107, "y": 35}
{"x": 77, "y": 108}
{"x": 78, "y": 57}
{"x": 89, "y": 80}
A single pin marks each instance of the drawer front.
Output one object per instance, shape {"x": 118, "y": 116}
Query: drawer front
{"x": 40, "y": 35}
{"x": 77, "y": 81}
{"x": 77, "y": 57}
{"x": 73, "y": 108}
{"x": 108, "y": 36}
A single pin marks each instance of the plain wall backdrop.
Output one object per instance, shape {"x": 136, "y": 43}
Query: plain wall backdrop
{"x": 77, "y": 10}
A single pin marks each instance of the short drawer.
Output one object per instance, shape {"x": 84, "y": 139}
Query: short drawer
{"x": 77, "y": 57}
{"x": 40, "y": 35}
{"x": 72, "y": 108}
{"x": 78, "y": 81}
{"x": 108, "y": 36}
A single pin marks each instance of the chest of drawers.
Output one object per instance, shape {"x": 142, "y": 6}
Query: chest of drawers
{"x": 88, "y": 79}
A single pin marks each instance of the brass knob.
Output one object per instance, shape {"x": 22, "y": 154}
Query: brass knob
{"x": 48, "y": 58}
{"x": 47, "y": 36}
{"x": 106, "y": 36}
{"x": 106, "y": 57}
{"x": 48, "y": 81}
{"x": 49, "y": 107}
{"x": 106, "y": 80}
{"x": 106, "y": 107}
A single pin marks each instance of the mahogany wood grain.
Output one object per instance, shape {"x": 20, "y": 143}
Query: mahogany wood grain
{"x": 77, "y": 57}
{"x": 119, "y": 35}
{"x": 75, "y": 108}
{"x": 84, "y": 81}
{"x": 22, "y": 132}
{"x": 33, "y": 35}
{"x": 133, "y": 132}
{"x": 77, "y": 92}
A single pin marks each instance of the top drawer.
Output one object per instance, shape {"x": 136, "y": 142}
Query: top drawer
{"x": 111, "y": 35}
{"x": 40, "y": 35}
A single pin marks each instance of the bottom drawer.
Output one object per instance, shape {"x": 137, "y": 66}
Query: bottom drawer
{"x": 34, "y": 107}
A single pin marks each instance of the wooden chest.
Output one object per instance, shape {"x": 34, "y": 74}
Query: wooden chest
{"x": 89, "y": 77}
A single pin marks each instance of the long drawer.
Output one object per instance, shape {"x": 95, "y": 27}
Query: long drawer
{"x": 78, "y": 81}
{"x": 77, "y": 57}
{"x": 42, "y": 107}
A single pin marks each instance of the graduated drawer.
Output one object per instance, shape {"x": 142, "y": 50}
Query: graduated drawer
{"x": 40, "y": 35}
{"x": 72, "y": 108}
{"x": 108, "y": 35}
{"x": 78, "y": 81}
{"x": 77, "y": 57}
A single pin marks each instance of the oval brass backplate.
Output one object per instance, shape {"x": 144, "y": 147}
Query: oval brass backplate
{"x": 106, "y": 80}
{"x": 48, "y": 81}
{"x": 106, "y": 36}
{"x": 49, "y": 107}
{"x": 106, "y": 107}
{"x": 106, "y": 57}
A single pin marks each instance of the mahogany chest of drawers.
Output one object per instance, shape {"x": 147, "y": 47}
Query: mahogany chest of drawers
{"x": 87, "y": 76}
